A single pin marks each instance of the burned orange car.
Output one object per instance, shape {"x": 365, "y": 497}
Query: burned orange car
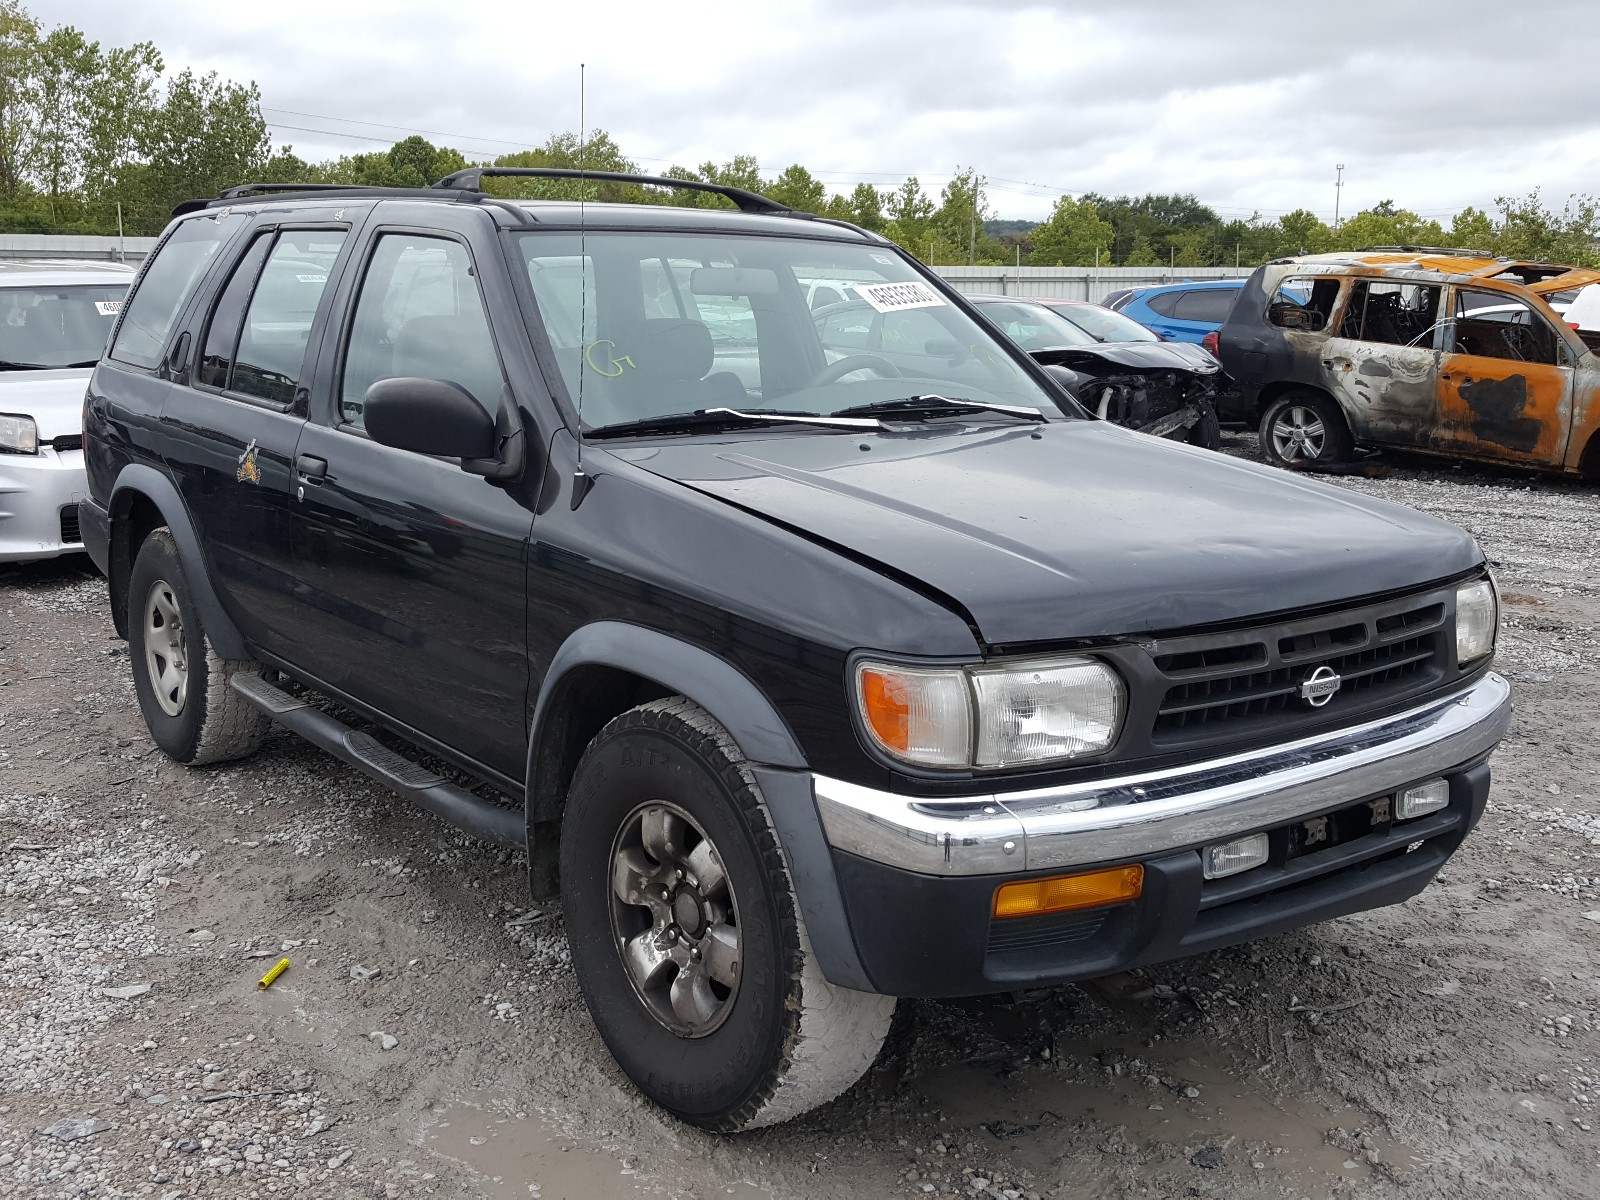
{"x": 1448, "y": 352}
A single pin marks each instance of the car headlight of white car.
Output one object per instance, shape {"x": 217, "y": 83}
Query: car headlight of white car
{"x": 1044, "y": 711}
{"x": 1477, "y": 620}
{"x": 18, "y": 435}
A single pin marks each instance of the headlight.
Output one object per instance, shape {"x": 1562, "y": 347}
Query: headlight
{"x": 18, "y": 435}
{"x": 1477, "y": 620}
{"x": 989, "y": 717}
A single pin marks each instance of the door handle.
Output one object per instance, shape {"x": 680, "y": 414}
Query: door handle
{"x": 311, "y": 469}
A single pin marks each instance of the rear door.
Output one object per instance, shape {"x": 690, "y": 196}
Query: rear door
{"x": 234, "y": 415}
{"x": 1190, "y": 314}
{"x": 1382, "y": 364}
{"x": 1505, "y": 385}
{"x": 412, "y": 571}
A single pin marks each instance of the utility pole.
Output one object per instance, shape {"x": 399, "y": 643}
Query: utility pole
{"x": 1236, "y": 256}
{"x": 122, "y": 246}
{"x": 1338, "y": 187}
{"x": 972, "y": 245}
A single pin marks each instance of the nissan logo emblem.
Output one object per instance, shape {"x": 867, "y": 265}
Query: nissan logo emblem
{"x": 1318, "y": 687}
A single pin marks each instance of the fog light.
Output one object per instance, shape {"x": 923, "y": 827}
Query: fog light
{"x": 1229, "y": 858}
{"x": 1033, "y": 897}
{"x": 1420, "y": 800}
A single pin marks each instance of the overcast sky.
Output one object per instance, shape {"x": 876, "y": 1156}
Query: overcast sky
{"x": 1247, "y": 105}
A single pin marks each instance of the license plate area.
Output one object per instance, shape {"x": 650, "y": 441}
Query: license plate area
{"x": 1316, "y": 834}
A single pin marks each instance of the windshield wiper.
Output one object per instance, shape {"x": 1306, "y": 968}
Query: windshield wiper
{"x": 932, "y": 404}
{"x": 724, "y": 418}
{"x": 16, "y": 366}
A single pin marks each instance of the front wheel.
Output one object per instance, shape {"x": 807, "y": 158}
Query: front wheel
{"x": 1304, "y": 429}
{"x": 686, "y": 937}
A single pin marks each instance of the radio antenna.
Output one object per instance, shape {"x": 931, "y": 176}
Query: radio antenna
{"x": 580, "y": 482}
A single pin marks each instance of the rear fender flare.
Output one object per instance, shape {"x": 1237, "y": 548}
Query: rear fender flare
{"x": 160, "y": 491}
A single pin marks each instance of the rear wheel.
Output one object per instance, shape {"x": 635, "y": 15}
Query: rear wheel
{"x": 1304, "y": 429}
{"x": 181, "y": 681}
{"x": 686, "y": 937}
{"x": 1207, "y": 431}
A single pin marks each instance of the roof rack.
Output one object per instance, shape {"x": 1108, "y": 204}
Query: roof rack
{"x": 1456, "y": 250}
{"x": 472, "y": 178}
{"x": 264, "y": 191}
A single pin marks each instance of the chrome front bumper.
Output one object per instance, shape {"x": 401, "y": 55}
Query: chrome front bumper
{"x": 34, "y": 488}
{"x": 1136, "y": 816}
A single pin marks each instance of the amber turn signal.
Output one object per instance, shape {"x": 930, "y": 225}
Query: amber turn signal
{"x": 1062, "y": 893}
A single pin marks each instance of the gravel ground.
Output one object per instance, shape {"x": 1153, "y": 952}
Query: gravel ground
{"x": 1446, "y": 1047}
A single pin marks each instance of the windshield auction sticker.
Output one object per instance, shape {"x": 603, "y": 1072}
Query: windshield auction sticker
{"x": 892, "y": 297}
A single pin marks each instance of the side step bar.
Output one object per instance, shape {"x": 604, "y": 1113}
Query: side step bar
{"x": 479, "y": 817}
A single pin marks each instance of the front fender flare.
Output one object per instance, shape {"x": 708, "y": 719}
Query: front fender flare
{"x": 163, "y": 493}
{"x": 762, "y": 735}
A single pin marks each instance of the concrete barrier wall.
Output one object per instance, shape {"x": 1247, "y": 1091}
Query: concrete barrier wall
{"x": 48, "y": 245}
{"x": 1070, "y": 283}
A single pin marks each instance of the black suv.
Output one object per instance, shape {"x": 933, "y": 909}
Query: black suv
{"x": 807, "y": 682}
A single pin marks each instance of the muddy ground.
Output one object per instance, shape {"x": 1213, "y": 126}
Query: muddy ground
{"x": 1446, "y": 1047}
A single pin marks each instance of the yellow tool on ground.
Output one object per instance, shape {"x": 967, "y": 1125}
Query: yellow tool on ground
{"x": 266, "y": 980}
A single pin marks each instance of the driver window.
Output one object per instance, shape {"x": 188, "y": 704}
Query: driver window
{"x": 419, "y": 313}
{"x": 1495, "y": 325}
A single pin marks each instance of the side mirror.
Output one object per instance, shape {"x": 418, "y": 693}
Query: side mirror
{"x": 429, "y": 416}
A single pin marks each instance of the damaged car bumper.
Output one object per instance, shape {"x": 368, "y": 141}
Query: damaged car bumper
{"x": 1336, "y": 843}
{"x": 39, "y": 495}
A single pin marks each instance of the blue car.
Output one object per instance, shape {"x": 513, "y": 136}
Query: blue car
{"x": 1179, "y": 312}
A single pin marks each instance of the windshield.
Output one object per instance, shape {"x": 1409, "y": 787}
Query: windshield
{"x": 652, "y": 324}
{"x": 60, "y": 326}
{"x": 1104, "y": 325}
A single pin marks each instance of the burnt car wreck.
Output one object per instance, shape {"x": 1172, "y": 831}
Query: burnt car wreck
{"x": 1116, "y": 368}
{"x": 1449, "y": 352}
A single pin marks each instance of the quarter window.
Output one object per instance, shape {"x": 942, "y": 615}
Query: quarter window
{"x": 167, "y": 283}
{"x": 1164, "y": 303}
{"x": 1495, "y": 325}
{"x": 419, "y": 314}
{"x": 1209, "y": 305}
{"x": 1392, "y": 314}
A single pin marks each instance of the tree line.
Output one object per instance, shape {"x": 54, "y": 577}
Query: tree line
{"x": 101, "y": 140}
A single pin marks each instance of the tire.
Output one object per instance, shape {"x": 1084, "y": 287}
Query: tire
{"x": 663, "y": 796}
{"x": 193, "y": 715}
{"x": 1207, "y": 431}
{"x": 1303, "y": 428}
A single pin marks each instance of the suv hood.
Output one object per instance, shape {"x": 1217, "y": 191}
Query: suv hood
{"x": 1084, "y": 530}
{"x": 1138, "y": 356}
{"x": 54, "y": 399}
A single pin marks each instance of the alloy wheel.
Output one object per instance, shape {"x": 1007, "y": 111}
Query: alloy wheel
{"x": 163, "y": 648}
{"x": 674, "y": 919}
{"x": 1298, "y": 434}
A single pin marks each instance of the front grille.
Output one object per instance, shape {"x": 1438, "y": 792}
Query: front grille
{"x": 69, "y": 525}
{"x": 67, "y": 441}
{"x": 1055, "y": 929}
{"x": 1232, "y": 685}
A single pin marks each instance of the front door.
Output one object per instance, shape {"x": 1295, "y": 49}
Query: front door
{"x": 412, "y": 570}
{"x": 1505, "y": 389}
{"x": 1381, "y": 362}
{"x": 236, "y": 418}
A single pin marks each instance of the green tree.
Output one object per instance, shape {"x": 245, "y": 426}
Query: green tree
{"x": 19, "y": 110}
{"x": 1302, "y": 232}
{"x": 866, "y": 208}
{"x": 1074, "y": 235}
{"x": 1530, "y": 229}
{"x": 1141, "y": 253}
{"x": 1471, "y": 229}
{"x": 909, "y": 209}
{"x": 1385, "y": 225}
{"x": 741, "y": 171}
{"x": 799, "y": 189}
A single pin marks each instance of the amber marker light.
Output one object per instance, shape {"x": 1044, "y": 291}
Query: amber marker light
{"x": 1063, "y": 893}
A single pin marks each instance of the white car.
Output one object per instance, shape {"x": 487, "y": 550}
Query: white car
{"x": 54, "y": 320}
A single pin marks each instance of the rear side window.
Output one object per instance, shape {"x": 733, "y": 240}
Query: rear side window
{"x": 1164, "y": 302}
{"x": 419, "y": 314}
{"x": 1211, "y": 306}
{"x": 167, "y": 284}
{"x": 256, "y": 340}
{"x": 1392, "y": 314}
{"x": 1304, "y": 304}
{"x": 277, "y": 326}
